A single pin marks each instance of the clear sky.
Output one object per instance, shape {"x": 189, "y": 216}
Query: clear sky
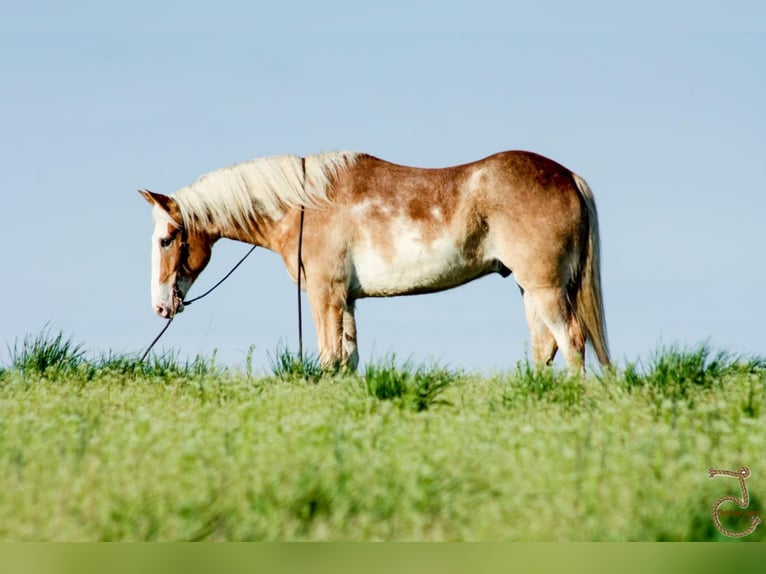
{"x": 661, "y": 106}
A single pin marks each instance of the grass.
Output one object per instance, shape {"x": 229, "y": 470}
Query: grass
{"x": 289, "y": 366}
{"x": 107, "y": 448}
{"x": 675, "y": 371}
{"x": 408, "y": 386}
{"x": 46, "y": 354}
{"x": 54, "y": 356}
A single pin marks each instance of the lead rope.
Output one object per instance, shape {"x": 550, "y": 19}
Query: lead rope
{"x": 190, "y": 301}
{"x": 157, "y": 338}
{"x": 300, "y": 266}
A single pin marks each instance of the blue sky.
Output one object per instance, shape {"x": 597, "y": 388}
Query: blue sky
{"x": 659, "y": 105}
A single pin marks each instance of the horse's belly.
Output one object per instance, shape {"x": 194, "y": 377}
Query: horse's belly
{"x": 410, "y": 265}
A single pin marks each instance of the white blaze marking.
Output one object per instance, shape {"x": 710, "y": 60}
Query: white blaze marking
{"x": 162, "y": 293}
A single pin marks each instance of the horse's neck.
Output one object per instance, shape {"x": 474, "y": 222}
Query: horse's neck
{"x": 279, "y": 235}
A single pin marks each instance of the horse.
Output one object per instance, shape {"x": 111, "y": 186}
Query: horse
{"x": 365, "y": 227}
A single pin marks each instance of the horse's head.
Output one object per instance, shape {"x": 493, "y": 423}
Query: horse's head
{"x": 178, "y": 255}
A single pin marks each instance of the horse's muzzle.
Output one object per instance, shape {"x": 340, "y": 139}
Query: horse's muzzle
{"x": 168, "y": 311}
{"x": 176, "y": 305}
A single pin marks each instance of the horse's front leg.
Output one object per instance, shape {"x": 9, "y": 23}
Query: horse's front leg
{"x": 330, "y": 312}
{"x": 350, "y": 354}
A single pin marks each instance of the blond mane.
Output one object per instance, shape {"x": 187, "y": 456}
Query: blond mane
{"x": 239, "y": 194}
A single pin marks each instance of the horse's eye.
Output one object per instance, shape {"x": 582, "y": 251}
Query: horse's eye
{"x": 166, "y": 241}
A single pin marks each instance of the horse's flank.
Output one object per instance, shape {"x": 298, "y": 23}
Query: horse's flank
{"x": 373, "y": 228}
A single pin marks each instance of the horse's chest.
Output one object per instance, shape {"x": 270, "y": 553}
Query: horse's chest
{"x": 405, "y": 261}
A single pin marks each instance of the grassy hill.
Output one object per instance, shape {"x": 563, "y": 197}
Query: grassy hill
{"x": 112, "y": 449}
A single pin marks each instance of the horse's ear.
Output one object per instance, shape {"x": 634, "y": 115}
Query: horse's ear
{"x": 168, "y": 204}
{"x": 165, "y": 202}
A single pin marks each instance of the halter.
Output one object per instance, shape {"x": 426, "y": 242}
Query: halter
{"x": 185, "y": 246}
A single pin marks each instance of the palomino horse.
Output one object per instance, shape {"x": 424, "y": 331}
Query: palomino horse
{"x": 371, "y": 228}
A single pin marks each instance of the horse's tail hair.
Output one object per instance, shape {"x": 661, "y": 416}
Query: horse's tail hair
{"x": 588, "y": 300}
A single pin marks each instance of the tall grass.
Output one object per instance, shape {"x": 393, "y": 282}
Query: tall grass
{"x": 163, "y": 365}
{"x": 287, "y": 365}
{"x": 46, "y": 354}
{"x": 409, "y": 386}
{"x": 675, "y": 371}
{"x": 547, "y": 384}
{"x": 54, "y": 355}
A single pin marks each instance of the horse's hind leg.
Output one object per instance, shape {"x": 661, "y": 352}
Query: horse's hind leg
{"x": 544, "y": 344}
{"x": 550, "y": 305}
